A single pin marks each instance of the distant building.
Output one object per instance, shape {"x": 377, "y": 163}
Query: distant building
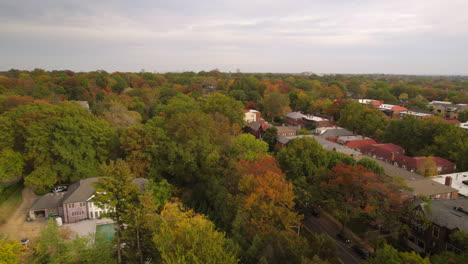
{"x": 83, "y": 104}
{"x": 285, "y": 131}
{"x": 251, "y": 115}
{"x": 392, "y": 111}
{"x": 416, "y": 113}
{"x": 447, "y": 110}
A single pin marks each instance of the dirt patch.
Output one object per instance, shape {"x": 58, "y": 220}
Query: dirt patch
{"x": 16, "y": 226}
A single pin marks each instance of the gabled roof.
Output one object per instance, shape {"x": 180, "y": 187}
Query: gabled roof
{"x": 281, "y": 139}
{"x": 449, "y": 213}
{"x": 336, "y": 132}
{"x": 48, "y": 201}
{"x": 254, "y": 125}
{"x": 82, "y": 190}
{"x": 429, "y": 187}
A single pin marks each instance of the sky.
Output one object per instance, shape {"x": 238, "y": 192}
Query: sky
{"x": 327, "y": 36}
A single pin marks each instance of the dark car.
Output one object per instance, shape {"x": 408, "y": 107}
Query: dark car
{"x": 343, "y": 237}
{"x": 361, "y": 251}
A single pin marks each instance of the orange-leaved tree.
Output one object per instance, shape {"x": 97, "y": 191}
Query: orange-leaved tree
{"x": 265, "y": 199}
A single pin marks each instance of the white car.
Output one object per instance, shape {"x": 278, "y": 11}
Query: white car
{"x": 58, "y": 189}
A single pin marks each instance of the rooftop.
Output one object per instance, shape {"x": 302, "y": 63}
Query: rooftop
{"x": 428, "y": 187}
{"x": 48, "y": 201}
{"x": 295, "y": 115}
{"x": 443, "y": 213}
{"x": 457, "y": 181}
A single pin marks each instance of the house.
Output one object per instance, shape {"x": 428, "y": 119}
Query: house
{"x": 312, "y": 122}
{"x": 446, "y": 216}
{"x": 83, "y": 104}
{"x": 251, "y": 115}
{"x": 74, "y": 205}
{"x": 431, "y": 189}
{"x": 414, "y": 164}
{"x": 392, "y": 111}
{"x": 370, "y": 102}
{"x": 385, "y": 152}
{"x": 295, "y": 119}
{"x": 447, "y": 110}
{"x": 257, "y": 128}
{"x": 285, "y": 131}
{"x": 416, "y": 113}
{"x": 360, "y": 143}
{"x": 458, "y": 180}
{"x": 328, "y": 132}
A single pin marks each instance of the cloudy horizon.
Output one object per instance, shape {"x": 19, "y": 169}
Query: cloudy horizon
{"x": 335, "y": 36}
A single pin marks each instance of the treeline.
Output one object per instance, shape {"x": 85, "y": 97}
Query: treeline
{"x": 174, "y": 130}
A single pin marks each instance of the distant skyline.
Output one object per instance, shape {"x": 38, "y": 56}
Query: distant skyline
{"x": 423, "y": 37}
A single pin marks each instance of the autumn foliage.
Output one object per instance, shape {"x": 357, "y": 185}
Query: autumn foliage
{"x": 266, "y": 199}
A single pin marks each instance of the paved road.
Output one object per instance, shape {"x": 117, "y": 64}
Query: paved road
{"x": 321, "y": 225}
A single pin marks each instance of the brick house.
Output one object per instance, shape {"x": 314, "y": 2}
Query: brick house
{"x": 285, "y": 131}
{"x": 446, "y": 217}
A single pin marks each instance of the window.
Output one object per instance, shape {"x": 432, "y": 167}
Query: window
{"x": 412, "y": 238}
{"x": 435, "y": 230}
{"x": 73, "y": 205}
{"x": 92, "y": 216}
{"x": 69, "y": 205}
{"x": 421, "y": 244}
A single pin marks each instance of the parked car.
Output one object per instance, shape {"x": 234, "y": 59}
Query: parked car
{"x": 361, "y": 251}
{"x": 58, "y": 189}
{"x": 343, "y": 237}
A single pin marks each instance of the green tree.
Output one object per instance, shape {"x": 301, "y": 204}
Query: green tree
{"x": 11, "y": 165}
{"x": 183, "y": 236}
{"x": 116, "y": 191}
{"x": 385, "y": 255}
{"x": 270, "y": 137}
{"x": 50, "y": 247}
{"x": 219, "y": 103}
{"x": 275, "y": 104}
{"x": 371, "y": 165}
{"x": 323, "y": 246}
{"x": 247, "y": 147}
{"x": 463, "y": 116}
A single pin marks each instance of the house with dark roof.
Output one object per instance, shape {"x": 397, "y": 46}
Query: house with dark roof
{"x": 74, "y": 205}
{"x": 446, "y": 217}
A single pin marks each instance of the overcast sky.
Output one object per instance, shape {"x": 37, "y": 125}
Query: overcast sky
{"x": 327, "y": 36}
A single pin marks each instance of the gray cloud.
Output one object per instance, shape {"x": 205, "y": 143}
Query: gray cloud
{"x": 418, "y": 36}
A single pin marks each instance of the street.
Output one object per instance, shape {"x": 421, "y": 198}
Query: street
{"x": 322, "y": 225}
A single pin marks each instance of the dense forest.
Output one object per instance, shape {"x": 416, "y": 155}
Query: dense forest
{"x": 216, "y": 195}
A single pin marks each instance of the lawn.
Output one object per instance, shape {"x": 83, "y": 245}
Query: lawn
{"x": 10, "y": 204}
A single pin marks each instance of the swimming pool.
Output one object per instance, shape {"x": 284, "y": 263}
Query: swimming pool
{"x": 105, "y": 230}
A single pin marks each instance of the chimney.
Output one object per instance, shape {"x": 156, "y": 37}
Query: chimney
{"x": 448, "y": 181}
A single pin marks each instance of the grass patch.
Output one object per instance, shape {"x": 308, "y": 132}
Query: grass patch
{"x": 8, "y": 191}
{"x": 10, "y": 205}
